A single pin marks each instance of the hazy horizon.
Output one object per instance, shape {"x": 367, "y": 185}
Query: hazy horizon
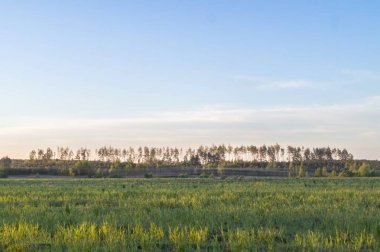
{"x": 141, "y": 73}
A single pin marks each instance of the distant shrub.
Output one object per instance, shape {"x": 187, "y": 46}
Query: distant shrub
{"x": 208, "y": 166}
{"x": 203, "y": 175}
{"x": 301, "y": 171}
{"x": 5, "y": 163}
{"x": 99, "y": 173}
{"x": 114, "y": 175}
{"x": 365, "y": 170}
{"x": 183, "y": 175}
{"x": 117, "y": 170}
{"x": 352, "y": 168}
{"x": 148, "y": 175}
{"x": 345, "y": 173}
{"x": 3, "y": 174}
{"x": 325, "y": 173}
{"x": 220, "y": 168}
{"x": 81, "y": 168}
{"x": 318, "y": 172}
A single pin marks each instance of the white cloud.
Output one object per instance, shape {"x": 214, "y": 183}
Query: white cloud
{"x": 341, "y": 125}
{"x": 252, "y": 78}
{"x": 370, "y": 133}
{"x": 269, "y": 83}
{"x": 346, "y": 77}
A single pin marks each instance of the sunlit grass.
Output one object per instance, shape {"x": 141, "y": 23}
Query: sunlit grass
{"x": 190, "y": 214}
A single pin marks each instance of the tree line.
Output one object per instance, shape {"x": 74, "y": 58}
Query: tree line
{"x": 214, "y": 154}
{"x": 108, "y": 161}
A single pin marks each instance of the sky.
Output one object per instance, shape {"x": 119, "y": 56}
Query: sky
{"x": 186, "y": 73}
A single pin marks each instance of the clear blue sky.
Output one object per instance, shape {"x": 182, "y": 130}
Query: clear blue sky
{"x": 93, "y": 73}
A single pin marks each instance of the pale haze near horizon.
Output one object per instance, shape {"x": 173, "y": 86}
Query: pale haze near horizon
{"x": 175, "y": 73}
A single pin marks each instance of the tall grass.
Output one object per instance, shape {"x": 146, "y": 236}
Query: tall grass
{"x": 190, "y": 215}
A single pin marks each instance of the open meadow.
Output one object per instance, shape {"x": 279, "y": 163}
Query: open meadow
{"x": 210, "y": 214}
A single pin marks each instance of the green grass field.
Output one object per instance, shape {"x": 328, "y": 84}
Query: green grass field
{"x": 190, "y": 214}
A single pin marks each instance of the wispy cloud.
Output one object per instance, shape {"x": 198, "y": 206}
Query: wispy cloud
{"x": 347, "y": 125}
{"x": 289, "y": 84}
{"x": 344, "y": 78}
{"x": 361, "y": 75}
{"x": 268, "y": 83}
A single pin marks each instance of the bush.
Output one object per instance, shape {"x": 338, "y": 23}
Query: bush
{"x": 318, "y": 172}
{"x": 365, "y": 170}
{"x": 301, "y": 171}
{"x": 99, "y": 173}
{"x": 81, "y": 168}
{"x": 345, "y": 173}
{"x": 183, "y": 175}
{"x": 325, "y": 173}
{"x": 220, "y": 169}
{"x": 203, "y": 174}
{"x": 5, "y": 163}
{"x": 117, "y": 170}
{"x": 148, "y": 175}
{"x": 3, "y": 174}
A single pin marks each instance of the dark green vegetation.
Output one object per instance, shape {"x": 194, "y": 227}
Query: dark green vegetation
{"x": 190, "y": 214}
{"x": 217, "y": 160}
